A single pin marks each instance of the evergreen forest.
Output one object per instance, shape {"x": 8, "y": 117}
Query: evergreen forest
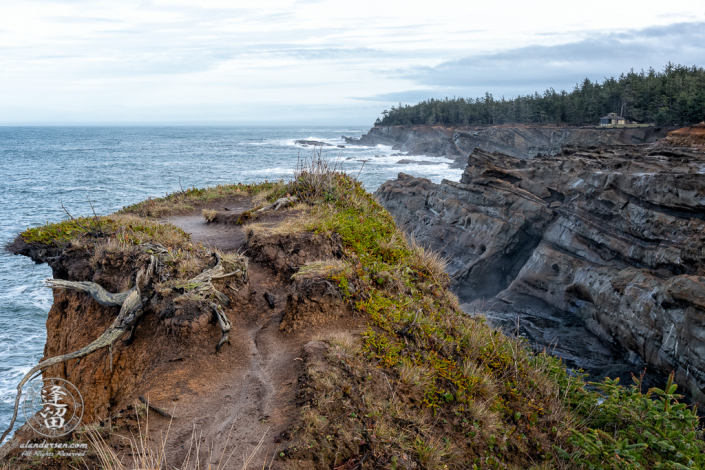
{"x": 673, "y": 96}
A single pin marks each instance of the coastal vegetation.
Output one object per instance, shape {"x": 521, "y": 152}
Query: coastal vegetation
{"x": 673, "y": 96}
{"x": 425, "y": 385}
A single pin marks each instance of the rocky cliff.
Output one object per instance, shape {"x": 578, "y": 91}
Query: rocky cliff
{"x": 613, "y": 236}
{"x": 521, "y": 141}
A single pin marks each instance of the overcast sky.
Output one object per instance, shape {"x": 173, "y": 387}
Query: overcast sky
{"x": 311, "y": 62}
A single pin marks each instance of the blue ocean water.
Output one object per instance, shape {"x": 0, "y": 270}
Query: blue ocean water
{"x": 41, "y": 167}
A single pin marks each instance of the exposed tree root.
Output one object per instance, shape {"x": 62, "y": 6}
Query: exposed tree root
{"x": 99, "y": 294}
{"x": 224, "y": 323}
{"x": 130, "y": 311}
{"x": 130, "y": 303}
{"x": 202, "y": 287}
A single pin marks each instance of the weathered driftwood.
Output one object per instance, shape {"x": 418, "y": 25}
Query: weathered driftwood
{"x": 130, "y": 311}
{"x": 224, "y": 323}
{"x": 278, "y": 204}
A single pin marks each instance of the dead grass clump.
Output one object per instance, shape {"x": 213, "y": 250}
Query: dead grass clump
{"x": 436, "y": 264}
{"x": 209, "y": 215}
{"x": 139, "y": 230}
{"x": 269, "y": 192}
{"x": 111, "y": 245}
{"x": 316, "y": 179}
{"x": 299, "y": 219}
{"x": 343, "y": 346}
{"x": 319, "y": 269}
{"x": 233, "y": 262}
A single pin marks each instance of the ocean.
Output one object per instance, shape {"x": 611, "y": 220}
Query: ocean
{"x": 43, "y": 167}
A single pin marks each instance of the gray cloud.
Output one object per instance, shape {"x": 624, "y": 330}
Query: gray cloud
{"x": 536, "y": 68}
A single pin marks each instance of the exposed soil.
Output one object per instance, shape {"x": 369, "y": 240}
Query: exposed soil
{"x": 693, "y": 136}
{"x": 246, "y": 391}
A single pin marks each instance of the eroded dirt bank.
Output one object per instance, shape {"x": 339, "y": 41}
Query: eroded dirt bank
{"x": 225, "y": 401}
{"x": 612, "y": 235}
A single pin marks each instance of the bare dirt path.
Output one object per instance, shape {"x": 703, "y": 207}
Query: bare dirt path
{"x": 255, "y": 396}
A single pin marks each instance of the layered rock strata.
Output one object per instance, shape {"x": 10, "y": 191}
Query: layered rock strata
{"x": 613, "y": 235}
{"x": 521, "y": 141}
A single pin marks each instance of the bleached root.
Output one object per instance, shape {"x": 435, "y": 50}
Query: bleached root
{"x": 224, "y": 323}
{"x": 130, "y": 312}
{"x": 278, "y": 204}
{"x": 130, "y": 303}
{"x": 98, "y": 294}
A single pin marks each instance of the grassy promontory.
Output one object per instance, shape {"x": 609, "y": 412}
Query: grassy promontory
{"x": 426, "y": 385}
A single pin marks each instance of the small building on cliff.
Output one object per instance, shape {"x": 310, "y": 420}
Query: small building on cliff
{"x": 611, "y": 119}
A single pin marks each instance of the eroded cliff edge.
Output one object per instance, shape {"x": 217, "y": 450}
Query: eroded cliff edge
{"x": 521, "y": 141}
{"x": 612, "y": 234}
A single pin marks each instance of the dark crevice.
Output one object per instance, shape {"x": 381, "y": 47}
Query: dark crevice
{"x": 491, "y": 275}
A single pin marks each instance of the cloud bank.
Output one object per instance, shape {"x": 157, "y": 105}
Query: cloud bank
{"x": 313, "y": 62}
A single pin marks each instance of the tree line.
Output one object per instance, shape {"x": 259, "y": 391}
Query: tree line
{"x": 674, "y": 96}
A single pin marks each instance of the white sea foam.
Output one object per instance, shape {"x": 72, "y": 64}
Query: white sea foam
{"x": 270, "y": 171}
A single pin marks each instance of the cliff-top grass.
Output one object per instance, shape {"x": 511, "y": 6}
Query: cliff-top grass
{"x": 187, "y": 200}
{"x": 425, "y": 385}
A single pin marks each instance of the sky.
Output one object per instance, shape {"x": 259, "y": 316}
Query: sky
{"x": 310, "y": 62}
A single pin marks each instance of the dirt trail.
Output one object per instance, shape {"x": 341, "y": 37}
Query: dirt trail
{"x": 256, "y": 395}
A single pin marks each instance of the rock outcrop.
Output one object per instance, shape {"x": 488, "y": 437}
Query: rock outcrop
{"x": 614, "y": 236}
{"x": 521, "y": 141}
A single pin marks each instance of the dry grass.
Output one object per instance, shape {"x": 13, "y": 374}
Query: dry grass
{"x": 111, "y": 245}
{"x": 144, "y": 451}
{"x": 209, "y": 215}
{"x": 262, "y": 197}
{"x": 298, "y": 219}
{"x": 147, "y": 453}
{"x": 320, "y": 269}
{"x": 315, "y": 178}
{"x": 436, "y": 264}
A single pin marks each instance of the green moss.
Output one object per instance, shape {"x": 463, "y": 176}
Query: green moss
{"x": 126, "y": 229}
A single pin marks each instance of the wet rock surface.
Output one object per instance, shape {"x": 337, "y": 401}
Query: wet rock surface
{"x": 315, "y": 143}
{"x": 599, "y": 252}
{"x": 521, "y": 141}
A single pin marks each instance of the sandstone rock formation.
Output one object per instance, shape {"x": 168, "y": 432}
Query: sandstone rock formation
{"x": 614, "y": 235}
{"x": 521, "y": 141}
